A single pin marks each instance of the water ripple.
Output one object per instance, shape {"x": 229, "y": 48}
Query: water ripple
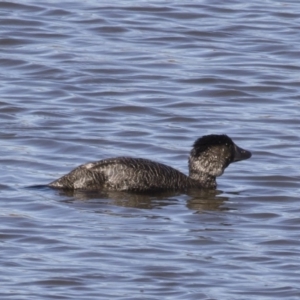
{"x": 82, "y": 81}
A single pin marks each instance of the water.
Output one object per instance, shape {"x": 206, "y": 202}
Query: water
{"x": 87, "y": 80}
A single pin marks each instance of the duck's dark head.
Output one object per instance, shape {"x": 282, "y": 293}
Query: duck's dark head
{"x": 211, "y": 155}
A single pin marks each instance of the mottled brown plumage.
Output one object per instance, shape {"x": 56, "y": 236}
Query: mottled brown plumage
{"x": 209, "y": 157}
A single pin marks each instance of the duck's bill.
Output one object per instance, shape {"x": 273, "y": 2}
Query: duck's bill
{"x": 241, "y": 154}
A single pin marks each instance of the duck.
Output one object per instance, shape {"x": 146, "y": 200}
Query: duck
{"x": 209, "y": 157}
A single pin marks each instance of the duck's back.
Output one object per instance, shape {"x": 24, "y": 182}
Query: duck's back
{"x": 124, "y": 174}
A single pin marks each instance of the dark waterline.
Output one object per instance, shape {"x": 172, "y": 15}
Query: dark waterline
{"x": 84, "y": 81}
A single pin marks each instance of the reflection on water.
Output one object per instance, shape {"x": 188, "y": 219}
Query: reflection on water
{"x": 196, "y": 200}
{"x": 86, "y": 80}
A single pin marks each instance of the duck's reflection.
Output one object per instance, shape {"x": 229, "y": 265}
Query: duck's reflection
{"x": 206, "y": 200}
{"x": 198, "y": 200}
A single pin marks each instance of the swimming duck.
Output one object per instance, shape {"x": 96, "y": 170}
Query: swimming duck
{"x": 209, "y": 157}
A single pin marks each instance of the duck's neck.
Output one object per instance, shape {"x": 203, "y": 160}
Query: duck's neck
{"x": 204, "y": 169}
{"x": 204, "y": 179}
